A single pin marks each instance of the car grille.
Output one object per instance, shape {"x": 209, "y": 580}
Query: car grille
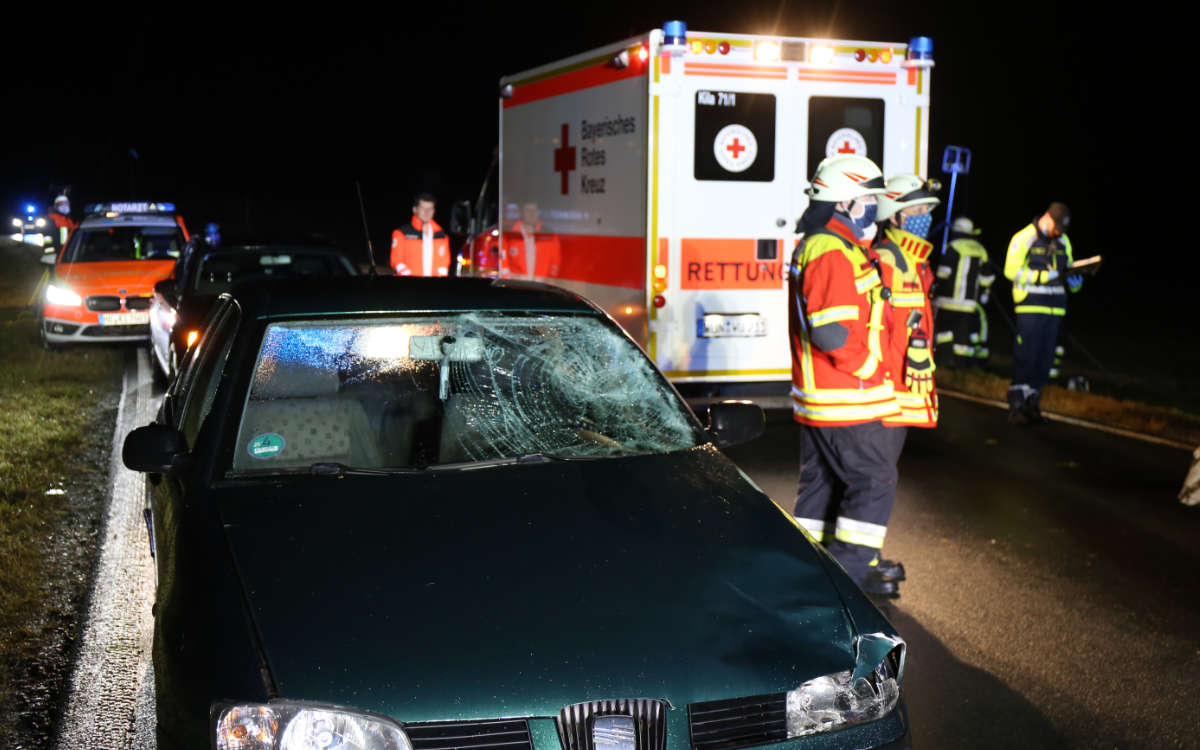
{"x": 103, "y": 303}
{"x": 649, "y": 722}
{"x": 137, "y": 303}
{"x": 498, "y": 734}
{"x": 739, "y": 722}
{"x": 108, "y": 332}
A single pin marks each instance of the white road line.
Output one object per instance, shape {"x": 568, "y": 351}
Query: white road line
{"x": 107, "y": 686}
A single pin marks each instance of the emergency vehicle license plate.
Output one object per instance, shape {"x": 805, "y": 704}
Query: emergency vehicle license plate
{"x": 124, "y": 319}
{"x": 718, "y": 325}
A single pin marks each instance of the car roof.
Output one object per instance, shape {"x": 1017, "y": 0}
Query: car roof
{"x": 368, "y": 295}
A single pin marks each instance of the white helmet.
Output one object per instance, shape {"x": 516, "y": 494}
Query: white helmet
{"x": 904, "y": 190}
{"x": 963, "y": 225}
{"x": 844, "y": 178}
{"x": 63, "y": 201}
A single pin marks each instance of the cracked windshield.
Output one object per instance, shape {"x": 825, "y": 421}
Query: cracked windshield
{"x": 422, "y": 391}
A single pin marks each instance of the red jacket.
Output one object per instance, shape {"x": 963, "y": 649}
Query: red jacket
{"x": 407, "y": 250}
{"x": 547, "y": 253}
{"x": 64, "y": 226}
{"x": 836, "y": 326}
{"x": 904, "y": 261}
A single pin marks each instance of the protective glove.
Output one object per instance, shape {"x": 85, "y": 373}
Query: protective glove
{"x": 1074, "y": 281}
{"x": 918, "y": 365}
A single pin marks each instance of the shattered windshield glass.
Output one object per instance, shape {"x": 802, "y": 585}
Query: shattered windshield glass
{"x": 463, "y": 388}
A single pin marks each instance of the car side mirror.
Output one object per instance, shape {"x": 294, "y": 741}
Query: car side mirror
{"x": 154, "y": 448}
{"x": 735, "y": 422}
{"x": 460, "y": 217}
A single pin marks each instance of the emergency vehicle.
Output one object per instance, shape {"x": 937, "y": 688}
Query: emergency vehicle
{"x": 103, "y": 280}
{"x": 662, "y": 177}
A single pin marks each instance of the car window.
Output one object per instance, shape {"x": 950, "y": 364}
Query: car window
{"x": 121, "y": 243}
{"x": 218, "y": 272}
{"x": 457, "y": 388}
{"x": 204, "y": 374}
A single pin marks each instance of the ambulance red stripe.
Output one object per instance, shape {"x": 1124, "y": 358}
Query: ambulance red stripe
{"x": 575, "y": 80}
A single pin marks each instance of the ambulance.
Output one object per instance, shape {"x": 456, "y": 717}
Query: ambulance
{"x": 663, "y": 176}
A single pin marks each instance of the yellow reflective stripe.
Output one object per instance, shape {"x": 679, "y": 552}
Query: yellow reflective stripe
{"x": 882, "y": 392}
{"x": 833, "y": 314}
{"x": 1041, "y": 310}
{"x": 860, "y": 532}
{"x": 960, "y": 281}
{"x": 864, "y": 284}
{"x": 943, "y": 272}
{"x": 946, "y": 303}
{"x": 943, "y": 337}
{"x": 815, "y": 527}
{"x": 908, "y": 299}
{"x": 846, "y": 413}
{"x": 868, "y": 368}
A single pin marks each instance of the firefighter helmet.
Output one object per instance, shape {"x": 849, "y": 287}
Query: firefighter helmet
{"x": 904, "y": 190}
{"x": 62, "y": 204}
{"x": 844, "y": 178}
{"x": 963, "y": 225}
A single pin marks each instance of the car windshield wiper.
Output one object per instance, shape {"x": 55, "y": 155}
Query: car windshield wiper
{"x": 334, "y": 469}
{"x": 524, "y": 458}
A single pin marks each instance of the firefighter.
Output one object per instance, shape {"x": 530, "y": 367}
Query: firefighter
{"x": 420, "y": 247}
{"x": 1037, "y": 264}
{"x": 64, "y": 225}
{"x": 964, "y": 283}
{"x": 905, "y": 216}
{"x": 840, "y": 388}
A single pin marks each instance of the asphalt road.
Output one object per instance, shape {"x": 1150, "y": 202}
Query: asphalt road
{"x": 1051, "y": 601}
{"x": 1053, "y": 597}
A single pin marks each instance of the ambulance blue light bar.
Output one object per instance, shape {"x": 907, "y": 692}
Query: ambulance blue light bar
{"x": 674, "y": 38}
{"x": 30, "y": 209}
{"x": 920, "y": 53}
{"x": 132, "y": 207}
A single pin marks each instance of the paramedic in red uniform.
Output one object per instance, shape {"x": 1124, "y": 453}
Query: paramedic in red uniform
{"x": 420, "y": 247}
{"x": 841, "y": 391}
{"x": 528, "y": 251}
{"x": 905, "y": 216}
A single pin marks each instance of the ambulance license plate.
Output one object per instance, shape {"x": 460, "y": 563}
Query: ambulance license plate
{"x": 727, "y": 325}
{"x": 124, "y": 319}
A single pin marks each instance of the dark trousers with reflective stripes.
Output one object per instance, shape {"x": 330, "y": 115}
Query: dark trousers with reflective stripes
{"x": 848, "y": 472}
{"x": 1037, "y": 335}
{"x": 963, "y": 349}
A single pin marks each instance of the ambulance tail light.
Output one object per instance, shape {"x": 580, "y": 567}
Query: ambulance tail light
{"x": 659, "y": 300}
{"x": 767, "y": 50}
{"x": 920, "y": 53}
{"x": 821, "y": 54}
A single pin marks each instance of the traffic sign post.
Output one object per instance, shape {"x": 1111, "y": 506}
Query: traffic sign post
{"x": 955, "y": 160}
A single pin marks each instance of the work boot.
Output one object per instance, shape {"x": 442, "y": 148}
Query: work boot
{"x": 877, "y": 588}
{"x": 887, "y": 570}
{"x": 1017, "y": 414}
{"x": 1033, "y": 408}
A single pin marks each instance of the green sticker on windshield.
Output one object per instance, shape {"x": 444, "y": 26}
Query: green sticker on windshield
{"x": 267, "y": 445}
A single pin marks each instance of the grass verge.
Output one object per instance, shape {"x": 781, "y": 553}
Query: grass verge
{"x": 1161, "y": 421}
{"x": 53, "y": 457}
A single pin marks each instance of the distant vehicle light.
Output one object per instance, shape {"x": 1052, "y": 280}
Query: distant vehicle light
{"x": 821, "y": 54}
{"x": 40, "y": 222}
{"x": 30, "y": 209}
{"x": 767, "y": 50}
{"x": 18, "y": 223}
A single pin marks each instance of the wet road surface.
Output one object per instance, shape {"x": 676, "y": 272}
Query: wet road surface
{"x": 1053, "y": 597}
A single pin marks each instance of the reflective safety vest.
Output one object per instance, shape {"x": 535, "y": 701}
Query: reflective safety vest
{"x": 1034, "y": 291}
{"x": 904, "y": 263}
{"x": 63, "y": 227}
{"x": 962, "y": 276}
{"x": 410, "y": 256}
{"x": 530, "y": 254}
{"x": 836, "y": 326}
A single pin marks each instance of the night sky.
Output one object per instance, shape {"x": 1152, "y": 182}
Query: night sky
{"x": 274, "y": 116}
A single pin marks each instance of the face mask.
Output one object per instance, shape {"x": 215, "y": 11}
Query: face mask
{"x": 63, "y": 208}
{"x": 918, "y": 224}
{"x": 864, "y": 226}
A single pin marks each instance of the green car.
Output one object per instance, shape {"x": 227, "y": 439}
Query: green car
{"x": 427, "y": 514}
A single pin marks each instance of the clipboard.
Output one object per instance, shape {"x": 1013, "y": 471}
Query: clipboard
{"x": 1086, "y": 266}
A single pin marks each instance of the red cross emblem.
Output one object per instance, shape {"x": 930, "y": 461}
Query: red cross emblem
{"x": 736, "y": 148}
{"x": 845, "y": 148}
{"x": 564, "y": 159}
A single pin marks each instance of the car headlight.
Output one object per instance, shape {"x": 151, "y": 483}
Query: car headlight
{"x": 299, "y": 726}
{"x": 18, "y": 223}
{"x": 40, "y": 222}
{"x": 856, "y": 696}
{"x": 60, "y": 295}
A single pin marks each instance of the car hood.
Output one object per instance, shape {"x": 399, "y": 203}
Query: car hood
{"x": 516, "y": 590}
{"x": 135, "y": 276}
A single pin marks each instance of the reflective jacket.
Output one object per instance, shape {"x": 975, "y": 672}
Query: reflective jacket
{"x": 63, "y": 227}
{"x": 537, "y": 248}
{"x": 1040, "y": 287}
{"x": 408, "y": 253}
{"x": 904, "y": 263}
{"x": 835, "y": 325}
{"x": 964, "y": 276}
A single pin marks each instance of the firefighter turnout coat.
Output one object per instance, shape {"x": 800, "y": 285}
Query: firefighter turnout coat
{"x": 410, "y": 257}
{"x": 836, "y": 325}
{"x": 1031, "y": 259}
{"x": 964, "y": 279}
{"x": 904, "y": 263}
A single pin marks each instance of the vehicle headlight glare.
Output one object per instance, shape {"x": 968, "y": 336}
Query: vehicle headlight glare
{"x": 839, "y": 700}
{"x": 293, "y": 726}
{"x": 17, "y": 223}
{"x": 58, "y": 295}
{"x": 40, "y": 222}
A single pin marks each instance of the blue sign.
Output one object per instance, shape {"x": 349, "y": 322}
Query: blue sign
{"x": 956, "y": 159}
